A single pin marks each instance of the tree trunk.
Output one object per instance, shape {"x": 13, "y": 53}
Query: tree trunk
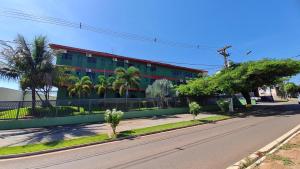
{"x": 246, "y": 95}
{"x": 33, "y": 100}
{"x": 256, "y": 93}
{"x": 126, "y": 97}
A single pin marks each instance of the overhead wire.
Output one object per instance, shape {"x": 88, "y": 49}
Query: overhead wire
{"x": 18, "y": 14}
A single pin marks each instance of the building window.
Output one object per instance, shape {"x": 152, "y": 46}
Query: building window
{"x": 92, "y": 75}
{"x": 151, "y": 81}
{"x": 91, "y": 60}
{"x": 153, "y": 68}
{"x": 120, "y": 64}
{"x": 66, "y": 56}
{"x": 176, "y": 73}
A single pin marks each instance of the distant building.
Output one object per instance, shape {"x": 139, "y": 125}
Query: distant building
{"x": 91, "y": 63}
{"x": 271, "y": 91}
{"x": 7, "y": 94}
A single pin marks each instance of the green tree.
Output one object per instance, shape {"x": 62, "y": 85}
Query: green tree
{"x": 104, "y": 85}
{"x": 291, "y": 89}
{"x": 113, "y": 117}
{"x": 29, "y": 63}
{"x": 80, "y": 87}
{"x": 126, "y": 79}
{"x": 194, "y": 109}
{"x": 161, "y": 89}
{"x": 242, "y": 78}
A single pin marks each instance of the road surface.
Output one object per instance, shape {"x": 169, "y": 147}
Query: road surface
{"x": 210, "y": 146}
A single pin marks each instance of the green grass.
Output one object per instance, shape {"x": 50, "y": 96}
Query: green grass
{"x": 169, "y": 126}
{"x": 289, "y": 146}
{"x": 44, "y": 112}
{"x": 285, "y": 160}
{"x": 52, "y": 145}
{"x": 103, "y": 137}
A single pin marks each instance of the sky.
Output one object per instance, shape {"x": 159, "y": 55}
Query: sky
{"x": 270, "y": 28}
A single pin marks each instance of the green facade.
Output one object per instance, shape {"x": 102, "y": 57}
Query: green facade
{"x": 90, "y": 63}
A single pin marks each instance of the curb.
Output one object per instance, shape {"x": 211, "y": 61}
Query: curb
{"x": 102, "y": 142}
{"x": 257, "y": 157}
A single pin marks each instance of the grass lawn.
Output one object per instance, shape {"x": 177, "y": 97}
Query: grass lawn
{"x": 45, "y": 112}
{"x": 52, "y": 145}
{"x": 169, "y": 126}
{"x": 103, "y": 137}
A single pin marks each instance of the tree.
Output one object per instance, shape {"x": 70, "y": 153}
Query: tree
{"x": 160, "y": 88}
{"x": 29, "y": 63}
{"x": 291, "y": 89}
{"x": 113, "y": 118}
{"x": 126, "y": 79}
{"x": 80, "y": 87}
{"x": 242, "y": 78}
{"x": 194, "y": 109}
{"x": 203, "y": 86}
{"x": 104, "y": 84}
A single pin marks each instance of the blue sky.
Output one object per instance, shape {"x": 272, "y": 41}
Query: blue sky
{"x": 268, "y": 28}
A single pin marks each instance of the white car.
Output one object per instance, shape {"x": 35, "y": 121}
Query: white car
{"x": 299, "y": 99}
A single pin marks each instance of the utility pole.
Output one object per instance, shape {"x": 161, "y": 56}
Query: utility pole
{"x": 223, "y": 52}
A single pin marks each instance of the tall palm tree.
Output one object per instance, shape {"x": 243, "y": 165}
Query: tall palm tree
{"x": 80, "y": 87}
{"x": 27, "y": 63}
{"x": 126, "y": 79}
{"x": 104, "y": 84}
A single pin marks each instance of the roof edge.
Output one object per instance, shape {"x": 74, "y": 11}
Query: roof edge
{"x": 96, "y": 53}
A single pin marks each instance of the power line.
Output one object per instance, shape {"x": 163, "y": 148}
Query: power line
{"x": 18, "y": 14}
{"x": 168, "y": 62}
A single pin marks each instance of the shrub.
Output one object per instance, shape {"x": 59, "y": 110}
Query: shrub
{"x": 113, "y": 117}
{"x": 194, "y": 109}
{"x": 223, "y": 105}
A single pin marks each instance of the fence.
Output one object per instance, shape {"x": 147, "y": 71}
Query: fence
{"x": 60, "y": 108}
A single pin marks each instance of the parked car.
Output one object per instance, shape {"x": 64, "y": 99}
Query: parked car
{"x": 299, "y": 99}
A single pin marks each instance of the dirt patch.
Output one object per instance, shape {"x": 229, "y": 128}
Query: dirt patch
{"x": 287, "y": 157}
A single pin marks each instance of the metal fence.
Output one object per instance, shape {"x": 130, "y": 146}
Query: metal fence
{"x": 71, "y": 107}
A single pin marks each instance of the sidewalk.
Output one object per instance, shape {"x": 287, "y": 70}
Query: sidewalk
{"x": 38, "y": 135}
{"x": 288, "y": 156}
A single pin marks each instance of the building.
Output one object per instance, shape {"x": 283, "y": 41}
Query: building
{"x": 91, "y": 63}
{"x": 18, "y": 95}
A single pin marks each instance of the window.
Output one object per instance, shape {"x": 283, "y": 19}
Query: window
{"x": 151, "y": 81}
{"x": 102, "y": 61}
{"x": 66, "y": 56}
{"x": 91, "y": 75}
{"x": 153, "y": 69}
{"x": 120, "y": 64}
{"x": 91, "y": 60}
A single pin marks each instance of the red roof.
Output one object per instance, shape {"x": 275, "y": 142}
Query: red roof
{"x": 103, "y": 54}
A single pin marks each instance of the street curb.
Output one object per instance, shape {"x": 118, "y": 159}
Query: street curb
{"x": 102, "y": 142}
{"x": 257, "y": 157}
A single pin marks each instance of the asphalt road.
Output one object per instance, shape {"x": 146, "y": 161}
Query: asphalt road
{"x": 211, "y": 146}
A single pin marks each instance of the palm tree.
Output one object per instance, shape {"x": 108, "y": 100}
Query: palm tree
{"x": 27, "y": 63}
{"x": 80, "y": 87}
{"x": 126, "y": 79}
{"x": 104, "y": 84}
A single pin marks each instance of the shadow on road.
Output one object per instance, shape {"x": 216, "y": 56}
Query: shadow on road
{"x": 263, "y": 110}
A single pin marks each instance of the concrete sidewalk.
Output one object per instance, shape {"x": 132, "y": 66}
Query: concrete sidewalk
{"x": 38, "y": 135}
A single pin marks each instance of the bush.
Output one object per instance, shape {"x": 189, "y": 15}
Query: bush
{"x": 223, "y": 105}
{"x": 194, "y": 109}
{"x": 113, "y": 118}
